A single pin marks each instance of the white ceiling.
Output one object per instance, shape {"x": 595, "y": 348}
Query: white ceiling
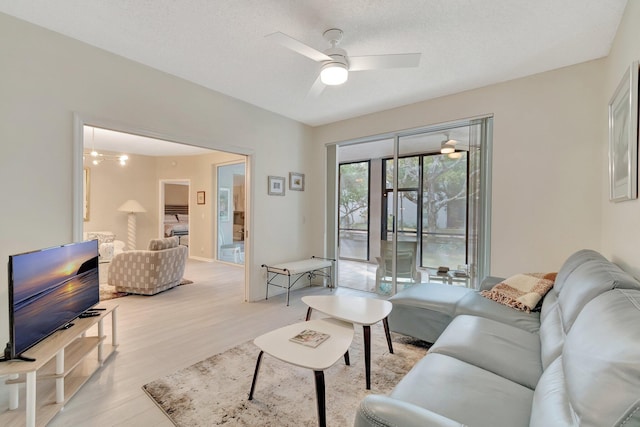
{"x": 118, "y": 142}
{"x": 220, "y": 44}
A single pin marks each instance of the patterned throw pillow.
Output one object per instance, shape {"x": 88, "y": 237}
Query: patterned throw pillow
{"x": 160, "y": 244}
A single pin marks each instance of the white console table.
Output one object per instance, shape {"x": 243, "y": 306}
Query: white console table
{"x": 61, "y": 367}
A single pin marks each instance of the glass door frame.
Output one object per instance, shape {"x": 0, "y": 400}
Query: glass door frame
{"x": 238, "y": 256}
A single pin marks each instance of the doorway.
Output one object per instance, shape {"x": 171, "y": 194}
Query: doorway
{"x": 140, "y": 176}
{"x": 174, "y": 209}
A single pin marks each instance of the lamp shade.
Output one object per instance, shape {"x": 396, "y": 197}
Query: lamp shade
{"x": 334, "y": 73}
{"x": 131, "y": 206}
{"x": 448, "y": 146}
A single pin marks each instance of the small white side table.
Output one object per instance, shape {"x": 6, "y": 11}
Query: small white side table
{"x": 277, "y": 344}
{"x": 357, "y": 310}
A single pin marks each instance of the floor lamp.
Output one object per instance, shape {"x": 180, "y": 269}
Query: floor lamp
{"x": 132, "y": 207}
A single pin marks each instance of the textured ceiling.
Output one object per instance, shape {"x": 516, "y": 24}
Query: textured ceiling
{"x": 220, "y": 44}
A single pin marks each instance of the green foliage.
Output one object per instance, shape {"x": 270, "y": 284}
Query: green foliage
{"x": 354, "y": 195}
{"x": 445, "y": 181}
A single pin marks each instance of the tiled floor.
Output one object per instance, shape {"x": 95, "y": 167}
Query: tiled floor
{"x": 357, "y": 275}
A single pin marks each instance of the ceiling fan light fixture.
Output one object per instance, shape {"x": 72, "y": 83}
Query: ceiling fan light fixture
{"x": 334, "y": 73}
{"x": 447, "y": 147}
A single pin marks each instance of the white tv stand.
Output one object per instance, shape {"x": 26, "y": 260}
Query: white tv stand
{"x": 61, "y": 368}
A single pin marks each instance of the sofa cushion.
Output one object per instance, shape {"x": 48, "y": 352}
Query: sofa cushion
{"x": 424, "y": 311}
{"x": 432, "y": 296}
{"x": 165, "y": 243}
{"x": 465, "y": 393}
{"x": 551, "y": 331}
{"x": 595, "y": 382}
{"x": 380, "y": 410}
{"x": 475, "y": 304}
{"x": 575, "y": 260}
{"x": 576, "y": 285}
{"x": 510, "y": 352}
{"x": 586, "y": 282}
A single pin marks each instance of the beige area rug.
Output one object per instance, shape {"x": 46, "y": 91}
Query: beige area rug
{"x": 214, "y": 391}
{"x": 109, "y": 292}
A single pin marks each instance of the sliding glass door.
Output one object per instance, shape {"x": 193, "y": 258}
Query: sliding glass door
{"x": 442, "y": 168}
{"x": 426, "y": 205}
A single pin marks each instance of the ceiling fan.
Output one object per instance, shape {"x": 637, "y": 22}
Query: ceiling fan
{"x": 336, "y": 64}
{"x": 452, "y": 147}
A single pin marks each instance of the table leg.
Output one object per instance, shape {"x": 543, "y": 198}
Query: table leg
{"x": 322, "y": 409}
{"x": 14, "y": 390}
{"x": 255, "y": 375}
{"x": 31, "y": 399}
{"x": 346, "y": 358}
{"x": 309, "y": 310}
{"x": 385, "y": 322}
{"x": 367, "y": 354}
{"x": 114, "y": 329}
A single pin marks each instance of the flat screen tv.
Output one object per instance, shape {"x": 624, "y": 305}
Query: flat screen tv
{"x": 48, "y": 289}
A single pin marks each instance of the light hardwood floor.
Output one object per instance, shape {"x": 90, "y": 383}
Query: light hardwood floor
{"x": 169, "y": 331}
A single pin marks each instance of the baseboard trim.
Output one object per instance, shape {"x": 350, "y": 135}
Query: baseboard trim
{"x": 197, "y": 258}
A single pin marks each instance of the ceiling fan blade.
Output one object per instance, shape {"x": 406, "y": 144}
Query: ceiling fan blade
{"x": 316, "y": 88}
{"x": 298, "y": 47}
{"x": 377, "y": 62}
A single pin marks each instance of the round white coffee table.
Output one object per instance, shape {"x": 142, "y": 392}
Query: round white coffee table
{"x": 277, "y": 343}
{"x": 357, "y": 310}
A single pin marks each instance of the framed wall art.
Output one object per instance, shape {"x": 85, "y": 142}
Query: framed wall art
{"x": 296, "y": 181}
{"x": 623, "y": 138}
{"x": 276, "y": 185}
{"x": 224, "y": 207}
{"x": 200, "y": 197}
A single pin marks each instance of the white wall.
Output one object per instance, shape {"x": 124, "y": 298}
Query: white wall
{"x": 547, "y": 160}
{"x": 201, "y": 172}
{"x": 176, "y": 194}
{"x": 45, "y": 78}
{"x": 111, "y": 185}
{"x": 620, "y": 221}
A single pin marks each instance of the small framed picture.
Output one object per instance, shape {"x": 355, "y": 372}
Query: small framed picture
{"x": 296, "y": 181}
{"x": 224, "y": 207}
{"x": 276, "y": 185}
{"x": 200, "y": 197}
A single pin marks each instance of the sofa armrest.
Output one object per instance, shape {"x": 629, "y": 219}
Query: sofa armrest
{"x": 489, "y": 282}
{"x": 381, "y": 411}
